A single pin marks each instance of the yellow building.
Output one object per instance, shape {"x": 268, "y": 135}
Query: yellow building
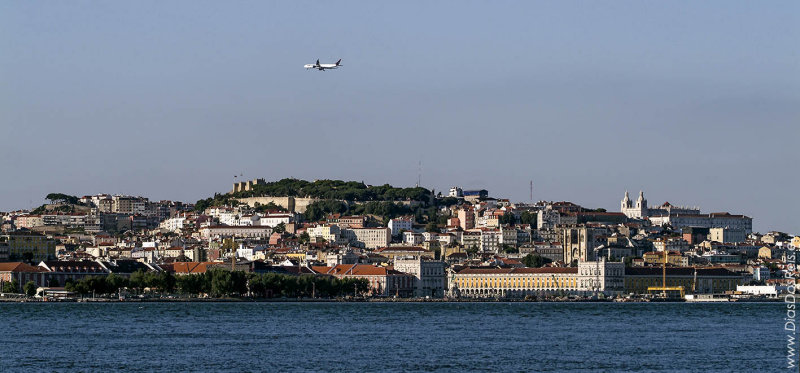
{"x": 509, "y": 282}
{"x": 706, "y": 280}
{"x": 393, "y": 251}
{"x": 765, "y": 253}
{"x": 300, "y": 257}
{"x": 22, "y": 245}
{"x": 674, "y": 258}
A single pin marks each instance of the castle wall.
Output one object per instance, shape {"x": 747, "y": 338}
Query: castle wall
{"x": 289, "y": 203}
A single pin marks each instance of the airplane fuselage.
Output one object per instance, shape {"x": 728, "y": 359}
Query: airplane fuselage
{"x": 323, "y": 66}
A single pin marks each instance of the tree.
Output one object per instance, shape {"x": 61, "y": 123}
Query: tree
{"x": 508, "y": 249}
{"x": 30, "y": 288}
{"x": 535, "y": 260}
{"x": 280, "y": 228}
{"x": 167, "y": 282}
{"x": 305, "y": 238}
{"x": 629, "y": 261}
{"x": 508, "y": 219}
{"x": 11, "y": 287}
{"x": 137, "y": 280}
{"x": 221, "y": 282}
{"x": 431, "y": 227}
{"x": 115, "y": 282}
{"x": 62, "y": 198}
{"x": 528, "y": 217}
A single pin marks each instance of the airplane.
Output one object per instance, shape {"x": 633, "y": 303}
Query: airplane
{"x": 324, "y": 66}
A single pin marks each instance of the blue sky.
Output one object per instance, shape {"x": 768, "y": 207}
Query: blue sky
{"x": 696, "y": 103}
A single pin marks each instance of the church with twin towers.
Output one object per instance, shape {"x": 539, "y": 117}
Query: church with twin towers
{"x": 640, "y": 210}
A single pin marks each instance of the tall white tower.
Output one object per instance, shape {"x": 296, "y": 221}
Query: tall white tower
{"x": 632, "y": 211}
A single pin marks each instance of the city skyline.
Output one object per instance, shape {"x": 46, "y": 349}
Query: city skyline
{"x": 693, "y": 104}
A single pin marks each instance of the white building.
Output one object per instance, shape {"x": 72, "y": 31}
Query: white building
{"x": 603, "y": 276}
{"x": 490, "y": 240}
{"x": 725, "y": 235}
{"x": 272, "y": 220}
{"x": 328, "y": 232}
{"x": 430, "y": 278}
{"x": 412, "y": 238}
{"x": 371, "y": 238}
{"x": 760, "y": 273}
{"x": 547, "y": 218}
{"x": 397, "y": 225}
{"x": 229, "y": 231}
{"x": 172, "y": 224}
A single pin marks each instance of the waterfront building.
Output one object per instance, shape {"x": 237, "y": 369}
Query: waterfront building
{"x": 22, "y": 273}
{"x": 73, "y": 270}
{"x": 588, "y": 277}
{"x": 430, "y": 279}
{"x": 382, "y": 281}
{"x": 692, "y": 280}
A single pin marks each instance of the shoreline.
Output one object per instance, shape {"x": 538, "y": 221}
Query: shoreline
{"x": 371, "y": 300}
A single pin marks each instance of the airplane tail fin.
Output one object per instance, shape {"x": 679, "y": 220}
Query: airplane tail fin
{"x": 338, "y": 62}
{"x": 317, "y": 62}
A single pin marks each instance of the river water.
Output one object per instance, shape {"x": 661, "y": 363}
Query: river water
{"x": 356, "y": 337}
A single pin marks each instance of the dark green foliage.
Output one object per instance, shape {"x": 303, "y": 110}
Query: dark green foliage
{"x": 535, "y": 260}
{"x": 447, "y": 201}
{"x": 508, "y": 249}
{"x": 508, "y": 219}
{"x": 11, "y": 287}
{"x": 320, "y": 209}
{"x": 30, "y": 289}
{"x": 221, "y": 283}
{"x": 268, "y": 207}
{"x": 387, "y": 209}
{"x": 323, "y": 189}
{"x": 62, "y": 198}
{"x": 528, "y": 217}
{"x": 431, "y": 227}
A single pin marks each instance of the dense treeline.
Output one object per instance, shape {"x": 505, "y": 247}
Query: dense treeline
{"x": 222, "y": 283}
{"x": 335, "y": 189}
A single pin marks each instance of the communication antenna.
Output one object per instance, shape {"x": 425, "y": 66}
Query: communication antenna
{"x": 419, "y": 174}
{"x": 531, "y": 191}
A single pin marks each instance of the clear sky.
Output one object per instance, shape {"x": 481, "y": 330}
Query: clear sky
{"x": 694, "y": 102}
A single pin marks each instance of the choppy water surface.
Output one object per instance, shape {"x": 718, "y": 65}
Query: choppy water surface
{"x": 353, "y": 337}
